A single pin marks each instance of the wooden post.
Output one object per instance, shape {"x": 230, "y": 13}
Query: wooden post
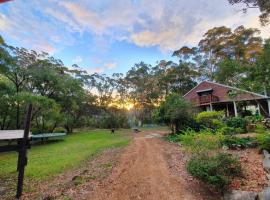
{"x": 235, "y": 109}
{"x": 268, "y": 102}
{"x": 258, "y": 106}
{"x": 211, "y": 107}
{"x": 227, "y": 109}
{"x": 22, "y": 161}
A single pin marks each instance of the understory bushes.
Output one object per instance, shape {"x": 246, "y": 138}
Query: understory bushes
{"x": 215, "y": 170}
{"x": 233, "y": 142}
{"x": 264, "y": 141}
{"x": 211, "y": 119}
{"x": 208, "y": 144}
{"x": 200, "y": 142}
{"x": 238, "y": 123}
{"x": 208, "y": 161}
{"x": 230, "y": 130}
{"x": 254, "y": 119}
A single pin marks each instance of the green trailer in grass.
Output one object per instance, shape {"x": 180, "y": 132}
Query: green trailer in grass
{"x": 47, "y": 136}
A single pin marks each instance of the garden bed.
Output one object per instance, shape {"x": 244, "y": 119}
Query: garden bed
{"x": 254, "y": 177}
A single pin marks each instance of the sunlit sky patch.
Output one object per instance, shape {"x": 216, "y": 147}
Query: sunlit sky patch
{"x": 109, "y": 36}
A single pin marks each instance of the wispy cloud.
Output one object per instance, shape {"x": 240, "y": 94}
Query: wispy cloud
{"x": 165, "y": 24}
{"x": 77, "y": 60}
{"x": 110, "y": 65}
{"x": 103, "y": 68}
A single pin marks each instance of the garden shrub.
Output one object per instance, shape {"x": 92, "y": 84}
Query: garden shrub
{"x": 215, "y": 170}
{"x": 210, "y": 119}
{"x": 192, "y": 124}
{"x": 173, "y": 138}
{"x": 237, "y": 123}
{"x": 264, "y": 141}
{"x": 234, "y": 142}
{"x": 246, "y": 113}
{"x": 239, "y": 130}
{"x": 227, "y": 130}
{"x": 260, "y": 128}
{"x": 254, "y": 119}
{"x": 59, "y": 130}
{"x": 203, "y": 141}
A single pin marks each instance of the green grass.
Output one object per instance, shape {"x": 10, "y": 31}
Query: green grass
{"x": 47, "y": 160}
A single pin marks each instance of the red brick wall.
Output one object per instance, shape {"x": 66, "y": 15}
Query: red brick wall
{"x": 220, "y": 91}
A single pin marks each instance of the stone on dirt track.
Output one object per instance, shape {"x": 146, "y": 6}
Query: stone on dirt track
{"x": 265, "y": 194}
{"x": 266, "y": 161}
{"x": 240, "y": 195}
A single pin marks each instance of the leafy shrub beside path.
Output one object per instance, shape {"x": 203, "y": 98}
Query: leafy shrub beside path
{"x": 215, "y": 170}
{"x": 264, "y": 141}
{"x": 203, "y": 141}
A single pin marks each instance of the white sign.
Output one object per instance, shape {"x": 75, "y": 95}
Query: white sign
{"x": 11, "y": 134}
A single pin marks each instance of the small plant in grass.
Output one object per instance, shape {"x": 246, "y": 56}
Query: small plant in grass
{"x": 77, "y": 180}
{"x": 215, "y": 170}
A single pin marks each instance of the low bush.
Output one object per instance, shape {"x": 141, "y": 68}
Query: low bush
{"x": 237, "y": 123}
{"x": 254, "y": 119}
{"x": 173, "y": 138}
{"x": 59, "y": 130}
{"x": 211, "y": 119}
{"x": 203, "y": 141}
{"x": 260, "y": 128}
{"x": 264, "y": 141}
{"x": 235, "y": 142}
{"x": 239, "y": 130}
{"x": 215, "y": 170}
{"x": 227, "y": 130}
{"x": 192, "y": 124}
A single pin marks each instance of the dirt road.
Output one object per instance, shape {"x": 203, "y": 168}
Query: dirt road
{"x": 146, "y": 173}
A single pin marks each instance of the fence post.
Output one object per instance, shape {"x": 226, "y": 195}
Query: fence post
{"x": 22, "y": 161}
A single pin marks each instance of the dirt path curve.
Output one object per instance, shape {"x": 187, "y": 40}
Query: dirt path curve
{"x": 144, "y": 173}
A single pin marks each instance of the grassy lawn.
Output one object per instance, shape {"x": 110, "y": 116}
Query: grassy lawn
{"x": 47, "y": 160}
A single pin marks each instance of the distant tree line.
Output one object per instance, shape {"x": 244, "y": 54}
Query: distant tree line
{"x": 69, "y": 97}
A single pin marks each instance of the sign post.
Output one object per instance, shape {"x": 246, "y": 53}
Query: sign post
{"x": 23, "y": 143}
{"x": 23, "y": 146}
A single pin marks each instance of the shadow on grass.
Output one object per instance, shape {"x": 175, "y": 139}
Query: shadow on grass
{"x": 46, "y": 142}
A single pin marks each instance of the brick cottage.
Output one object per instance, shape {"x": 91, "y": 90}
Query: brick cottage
{"x": 234, "y": 101}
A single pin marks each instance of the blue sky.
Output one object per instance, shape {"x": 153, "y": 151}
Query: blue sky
{"x": 109, "y": 36}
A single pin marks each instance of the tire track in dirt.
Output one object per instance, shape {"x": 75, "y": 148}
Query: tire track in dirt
{"x": 143, "y": 173}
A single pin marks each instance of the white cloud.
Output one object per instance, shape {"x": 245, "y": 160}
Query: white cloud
{"x": 100, "y": 69}
{"x": 110, "y": 66}
{"x": 77, "y": 59}
{"x": 95, "y": 70}
{"x": 165, "y": 24}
